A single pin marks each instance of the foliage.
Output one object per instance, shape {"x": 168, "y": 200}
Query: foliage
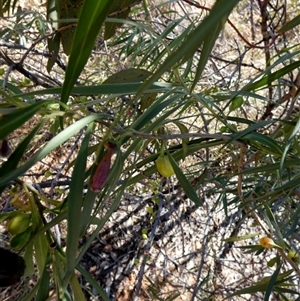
{"x": 136, "y": 111}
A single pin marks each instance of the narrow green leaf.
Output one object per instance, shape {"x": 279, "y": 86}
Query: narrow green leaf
{"x": 250, "y": 134}
{"x": 43, "y": 286}
{"x": 206, "y": 50}
{"x": 20, "y": 240}
{"x": 75, "y": 204}
{"x": 185, "y": 141}
{"x": 67, "y": 12}
{"x": 117, "y": 89}
{"x": 147, "y": 116}
{"x": 251, "y": 128}
{"x": 271, "y": 167}
{"x": 28, "y": 257}
{"x": 249, "y": 290}
{"x": 41, "y": 248}
{"x": 193, "y": 41}
{"x": 272, "y": 281}
{"x": 92, "y": 16}
{"x": 51, "y": 145}
{"x": 294, "y": 223}
{"x": 107, "y": 215}
{"x": 282, "y": 290}
{"x": 290, "y": 25}
{"x": 76, "y": 288}
{"x": 269, "y": 78}
{"x": 16, "y": 156}
{"x": 120, "y": 9}
{"x": 10, "y": 122}
{"x": 14, "y": 90}
{"x": 291, "y": 184}
{"x": 88, "y": 206}
{"x": 40, "y": 243}
{"x": 93, "y": 282}
{"x": 240, "y": 120}
{"x": 185, "y": 184}
{"x": 262, "y": 285}
{"x": 265, "y": 140}
{"x": 157, "y": 107}
{"x": 60, "y": 217}
{"x": 272, "y": 262}
{"x": 53, "y": 8}
{"x": 272, "y": 223}
{"x": 58, "y": 264}
{"x": 53, "y": 47}
{"x": 292, "y": 137}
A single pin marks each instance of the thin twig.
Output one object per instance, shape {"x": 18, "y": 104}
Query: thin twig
{"x": 37, "y": 41}
{"x": 147, "y": 248}
{"x": 59, "y": 172}
{"x": 152, "y": 136}
{"x": 203, "y": 257}
{"x": 251, "y": 45}
{"x": 16, "y": 66}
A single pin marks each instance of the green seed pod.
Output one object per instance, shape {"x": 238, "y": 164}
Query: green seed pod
{"x": 293, "y": 255}
{"x": 20, "y": 240}
{"x": 19, "y": 223}
{"x": 164, "y": 166}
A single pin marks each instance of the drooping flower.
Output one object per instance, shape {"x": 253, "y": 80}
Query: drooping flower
{"x": 268, "y": 243}
{"x": 164, "y": 166}
{"x": 103, "y": 169}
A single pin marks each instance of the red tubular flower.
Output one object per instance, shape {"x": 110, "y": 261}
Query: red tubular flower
{"x": 102, "y": 172}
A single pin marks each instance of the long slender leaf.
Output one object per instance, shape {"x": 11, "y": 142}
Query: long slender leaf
{"x": 290, "y": 25}
{"x": 76, "y": 288}
{"x": 271, "y": 143}
{"x": 93, "y": 15}
{"x": 16, "y": 156}
{"x": 193, "y": 41}
{"x": 294, "y": 223}
{"x": 43, "y": 286}
{"x": 208, "y": 44}
{"x": 10, "y": 122}
{"x": 41, "y": 248}
{"x": 75, "y": 204}
{"x": 51, "y": 145}
{"x": 103, "y": 220}
{"x": 271, "y": 167}
{"x": 93, "y": 282}
{"x": 14, "y": 90}
{"x": 293, "y": 136}
{"x": 116, "y": 88}
{"x": 269, "y": 78}
{"x": 272, "y": 281}
{"x": 28, "y": 257}
{"x": 185, "y": 184}
{"x": 89, "y": 201}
